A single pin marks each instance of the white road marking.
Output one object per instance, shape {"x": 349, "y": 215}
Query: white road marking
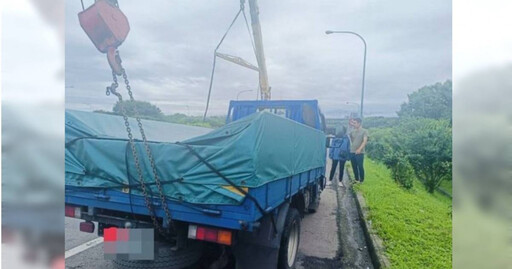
{"x": 83, "y": 247}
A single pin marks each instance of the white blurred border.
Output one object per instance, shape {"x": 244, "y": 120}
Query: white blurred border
{"x": 482, "y": 36}
{"x": 33, "y": 70}
{"x": 32, "y": 133}
{"x": 482, "y": 134}
{"x": 1, "y": 27}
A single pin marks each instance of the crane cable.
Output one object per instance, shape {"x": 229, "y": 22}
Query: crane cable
{"x": 242, "y": 11}
{"x": 249, "y": 31}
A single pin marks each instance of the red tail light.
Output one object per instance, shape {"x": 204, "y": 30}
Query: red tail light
{"x": 210, "y": 234}
{"x": 73, "y": 212}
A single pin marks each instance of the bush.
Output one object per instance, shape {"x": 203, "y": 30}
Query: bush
{"x": 401, "y": 169}
{"x": 402, "y": 172}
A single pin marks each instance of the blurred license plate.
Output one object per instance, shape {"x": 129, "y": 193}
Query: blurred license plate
{"x": 128, "y": 244}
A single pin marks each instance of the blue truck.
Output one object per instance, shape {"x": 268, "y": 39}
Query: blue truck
{"x": 233, "y": 197}
{"x": 261, "y": 231}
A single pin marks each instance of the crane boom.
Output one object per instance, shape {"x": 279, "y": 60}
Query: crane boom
{"x": 260, "y": 54}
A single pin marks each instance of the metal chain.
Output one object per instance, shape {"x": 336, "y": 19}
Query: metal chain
{"x": 148, "y": 150}
{"x": 113, "y": 89}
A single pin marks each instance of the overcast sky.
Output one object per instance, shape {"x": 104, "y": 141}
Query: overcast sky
{"x": 169, "y": 51}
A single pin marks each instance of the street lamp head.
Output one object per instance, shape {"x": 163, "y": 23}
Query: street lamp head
{"x": 328, "y": 32}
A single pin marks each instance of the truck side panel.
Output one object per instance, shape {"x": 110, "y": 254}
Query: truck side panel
{"x": 269, "y": 196}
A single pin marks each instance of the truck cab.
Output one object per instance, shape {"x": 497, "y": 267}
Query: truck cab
{"x": 303, "y": 111}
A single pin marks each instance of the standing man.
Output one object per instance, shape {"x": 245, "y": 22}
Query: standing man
{"x": 358, "y": 140}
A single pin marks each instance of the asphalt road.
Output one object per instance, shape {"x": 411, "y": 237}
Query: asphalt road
{"x": 337, "y": 240}
{"x": 330, "y": 238}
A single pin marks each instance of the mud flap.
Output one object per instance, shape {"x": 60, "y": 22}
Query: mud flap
{"x": 260, "y": 248}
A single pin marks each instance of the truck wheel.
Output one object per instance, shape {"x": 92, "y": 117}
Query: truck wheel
{"x": 166, "y": 258}
{"x": 290, "y": 240}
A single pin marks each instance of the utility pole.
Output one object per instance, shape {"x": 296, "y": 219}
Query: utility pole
{"x": 260, "y": 54}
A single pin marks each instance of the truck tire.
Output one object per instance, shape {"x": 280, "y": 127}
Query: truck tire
{"x": 290, "y": 240}
{"x": 166, "y": 258}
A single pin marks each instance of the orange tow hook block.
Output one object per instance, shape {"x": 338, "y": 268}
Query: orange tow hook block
{"x": 107, "y": 27}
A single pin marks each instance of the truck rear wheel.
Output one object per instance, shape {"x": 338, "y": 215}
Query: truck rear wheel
{"x": 166, "y": 258}
{"x": 290, "y": 240}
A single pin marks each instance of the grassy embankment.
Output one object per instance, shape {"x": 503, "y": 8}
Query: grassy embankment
{"x": 416, "y": 226}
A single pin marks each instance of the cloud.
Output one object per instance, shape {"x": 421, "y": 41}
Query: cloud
{"x": 168, "y": 53}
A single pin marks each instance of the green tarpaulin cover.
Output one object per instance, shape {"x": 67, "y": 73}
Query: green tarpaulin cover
{"x": 250, "y": 152}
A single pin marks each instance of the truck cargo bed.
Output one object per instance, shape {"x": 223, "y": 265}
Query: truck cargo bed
{"x": 209, "y": 169}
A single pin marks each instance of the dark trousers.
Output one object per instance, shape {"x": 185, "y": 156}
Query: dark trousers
{"x": 357, "y": 164}
{"x": 333, "y": 169}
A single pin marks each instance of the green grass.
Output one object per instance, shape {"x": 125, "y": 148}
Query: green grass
{"x": 416, "y": 226}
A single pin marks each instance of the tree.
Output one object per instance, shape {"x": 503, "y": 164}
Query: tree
{"x": 427, "y": 144}
{"x": 433, "y": 102}
{"x": 140, "y": 108}
{"x": 422, "y": 141}
{"x": 381, "y": 143}
{"x": 210, "y": 122}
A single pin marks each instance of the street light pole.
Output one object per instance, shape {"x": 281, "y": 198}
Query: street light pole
{"x": 238, "y": 94}
{"x": 364, "y": 62}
